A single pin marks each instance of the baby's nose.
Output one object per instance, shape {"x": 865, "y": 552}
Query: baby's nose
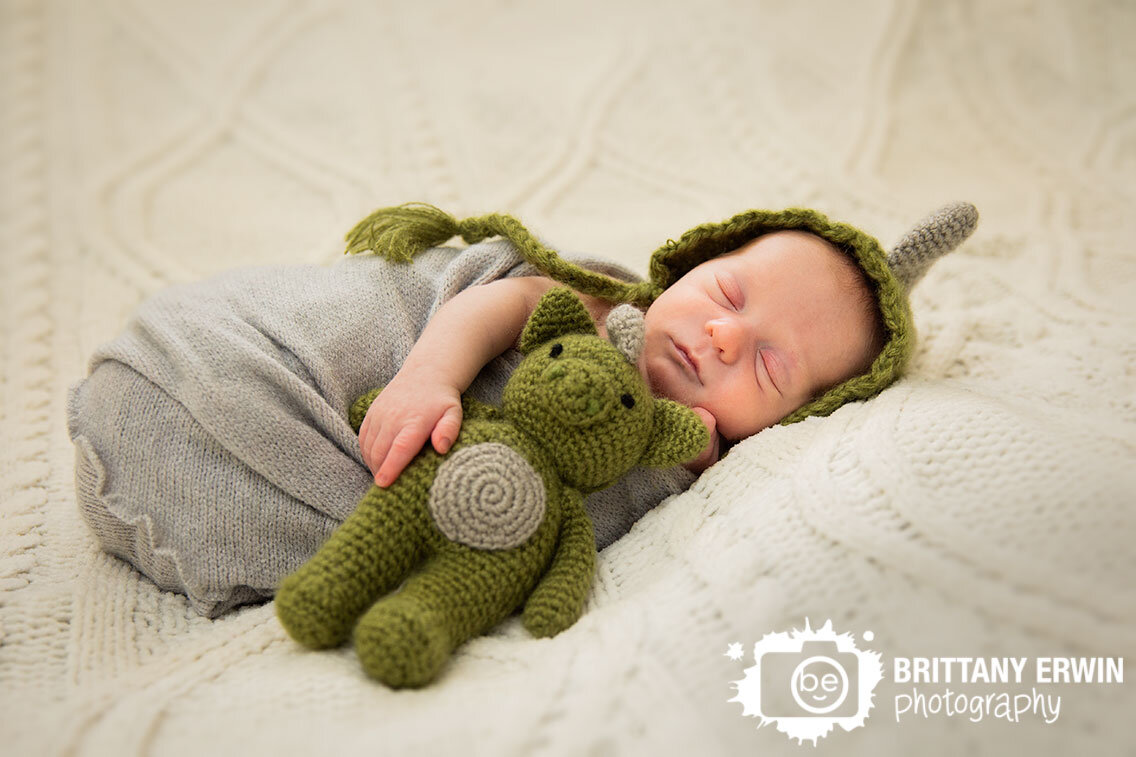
{"x": 726, "y": 337}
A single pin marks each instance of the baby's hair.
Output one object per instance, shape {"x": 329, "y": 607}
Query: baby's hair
{"x": 855, "y": 281}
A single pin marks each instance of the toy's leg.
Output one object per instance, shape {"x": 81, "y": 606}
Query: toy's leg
{"x": 405, "y": 639}
{"x": 367, "y": 556}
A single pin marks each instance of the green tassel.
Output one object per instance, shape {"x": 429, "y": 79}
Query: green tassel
{"x": 401, "y": 232}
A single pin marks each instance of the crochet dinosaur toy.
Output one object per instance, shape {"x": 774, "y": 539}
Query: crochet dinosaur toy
{"x": 498, "y": 521}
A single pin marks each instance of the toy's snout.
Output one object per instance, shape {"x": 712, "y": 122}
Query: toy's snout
{"x": 577, "y": 392}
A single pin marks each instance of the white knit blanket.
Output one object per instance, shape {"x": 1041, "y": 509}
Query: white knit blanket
{"x": 982, "y": 507}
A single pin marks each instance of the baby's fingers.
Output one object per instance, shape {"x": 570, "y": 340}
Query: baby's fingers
{"x": 446, "y": 430}
{"x": 402, "y": 450}
{"x": 368, "y": 433}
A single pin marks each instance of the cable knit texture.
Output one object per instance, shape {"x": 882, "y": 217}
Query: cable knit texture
{"x": 499, "y": 519}
{"x": 981, "y": 505}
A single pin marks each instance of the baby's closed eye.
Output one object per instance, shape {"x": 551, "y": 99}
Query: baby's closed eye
{"x": 729, "y": 290}
{"x": 772, "y": 369}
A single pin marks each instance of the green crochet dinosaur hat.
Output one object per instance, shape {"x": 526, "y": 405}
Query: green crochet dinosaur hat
{"x": 400, "y": 232}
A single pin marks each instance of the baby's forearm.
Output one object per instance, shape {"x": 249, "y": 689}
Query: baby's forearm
{"x": 474, "y": 327}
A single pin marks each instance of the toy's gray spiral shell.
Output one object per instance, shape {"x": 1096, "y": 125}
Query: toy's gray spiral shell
{"x": 487, "y": 496}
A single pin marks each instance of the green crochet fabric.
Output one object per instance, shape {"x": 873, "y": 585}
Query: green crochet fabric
{"x": 499, "y": 520}
{"x": 401, "y": 232}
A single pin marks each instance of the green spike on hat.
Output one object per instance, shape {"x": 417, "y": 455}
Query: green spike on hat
{"x": 398, "y": 233}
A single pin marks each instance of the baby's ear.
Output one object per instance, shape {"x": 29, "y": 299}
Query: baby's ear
{"x": 678, "y": 437}
{"x": 559, "y": 312}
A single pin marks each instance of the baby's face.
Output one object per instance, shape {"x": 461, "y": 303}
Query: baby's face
{"x": 765, "y": 328}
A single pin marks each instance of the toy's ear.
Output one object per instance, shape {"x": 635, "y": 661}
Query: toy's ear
{"x": 679, "y": 435}
{"x": 559, "y": 312}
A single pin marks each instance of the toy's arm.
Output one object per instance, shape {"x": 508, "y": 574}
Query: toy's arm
{"x": 359, "y": 408}
{"x": 558, "y": 600}
{"x": 472, "y": 408}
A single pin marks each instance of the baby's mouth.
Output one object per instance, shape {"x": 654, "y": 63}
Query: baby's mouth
{"x": 687, "y": 360}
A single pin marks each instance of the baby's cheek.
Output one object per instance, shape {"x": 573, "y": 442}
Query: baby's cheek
{"x": 653, "y": 369}
{"x": 664, "y": 383}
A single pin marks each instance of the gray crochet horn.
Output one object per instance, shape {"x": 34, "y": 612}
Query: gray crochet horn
{"x": 930, "y": 239}
{"x": 625, "y": 329}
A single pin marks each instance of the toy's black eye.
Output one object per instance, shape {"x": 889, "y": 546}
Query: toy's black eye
{"x": 556, "y": 350}
{"x": 628, "y": 401}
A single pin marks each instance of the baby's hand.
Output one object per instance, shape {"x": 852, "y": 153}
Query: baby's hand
{"x": 413, "y": 407}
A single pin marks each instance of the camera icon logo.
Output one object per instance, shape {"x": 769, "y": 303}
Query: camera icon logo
{"x": 818, "y": 680}
{"x": 806, "y": 682}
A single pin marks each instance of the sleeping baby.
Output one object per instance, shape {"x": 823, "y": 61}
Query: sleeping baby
{"x": 745, "y": 339}
{"x": 213, "y": 449}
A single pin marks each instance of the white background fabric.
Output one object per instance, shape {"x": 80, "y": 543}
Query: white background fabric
{"x": 983, "y": 506}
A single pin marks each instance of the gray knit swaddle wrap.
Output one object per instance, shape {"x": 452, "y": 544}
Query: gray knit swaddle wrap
{"x": 212, "y": 442}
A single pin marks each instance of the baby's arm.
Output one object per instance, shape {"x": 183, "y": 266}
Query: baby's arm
{"x": 423, "y": 400}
